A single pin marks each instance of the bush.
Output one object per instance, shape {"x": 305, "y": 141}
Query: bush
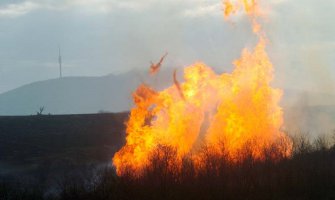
{"x": 308, "y": 174}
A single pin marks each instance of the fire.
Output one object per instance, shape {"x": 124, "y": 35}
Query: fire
{"x": 250, "y": 7}
{"x": 238, "y": 109}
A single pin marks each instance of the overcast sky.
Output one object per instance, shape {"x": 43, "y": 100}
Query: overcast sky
{"x": 99, "y": 37}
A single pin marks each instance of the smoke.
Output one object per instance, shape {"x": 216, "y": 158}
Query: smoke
{"x": 305, "y": 113}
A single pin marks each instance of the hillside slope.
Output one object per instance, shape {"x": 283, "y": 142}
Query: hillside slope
{"x": 78, "y": 95}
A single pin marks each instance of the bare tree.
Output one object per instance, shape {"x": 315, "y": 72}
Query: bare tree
{"x": 40, "y": 112}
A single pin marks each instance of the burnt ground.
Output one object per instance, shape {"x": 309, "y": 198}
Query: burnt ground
{"x": 58, "y": 141}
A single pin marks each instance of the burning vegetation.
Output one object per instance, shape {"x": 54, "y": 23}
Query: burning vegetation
{"x": 210, "y": 136}
{"x": 224, "y": 114}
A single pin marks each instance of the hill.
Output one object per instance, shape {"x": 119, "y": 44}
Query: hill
{"x": 79, "y": 95}
{"x": 303, "y": 111}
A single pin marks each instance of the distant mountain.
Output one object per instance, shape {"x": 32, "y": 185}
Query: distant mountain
{"x": 303, "y": 111}
{"x": 78, "y": 95}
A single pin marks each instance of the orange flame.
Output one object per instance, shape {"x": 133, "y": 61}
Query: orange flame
{"x": 251, "y": 7}
{"x": 235, "y": 108}
{"x": 154, "y": 68}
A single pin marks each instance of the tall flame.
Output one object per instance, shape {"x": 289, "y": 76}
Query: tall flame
{"x": 238, "y": 109}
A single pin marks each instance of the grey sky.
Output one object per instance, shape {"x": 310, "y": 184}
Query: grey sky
{"x": 99, "y": 37}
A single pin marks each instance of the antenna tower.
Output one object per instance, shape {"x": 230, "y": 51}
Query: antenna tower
{"x": 60, "y": 62}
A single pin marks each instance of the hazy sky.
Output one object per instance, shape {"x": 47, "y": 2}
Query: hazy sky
{"x": 99, "y": 37}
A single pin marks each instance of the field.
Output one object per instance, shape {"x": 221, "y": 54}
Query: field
{"x": 28, "y": 142}
{"x": 69, "y": 157}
